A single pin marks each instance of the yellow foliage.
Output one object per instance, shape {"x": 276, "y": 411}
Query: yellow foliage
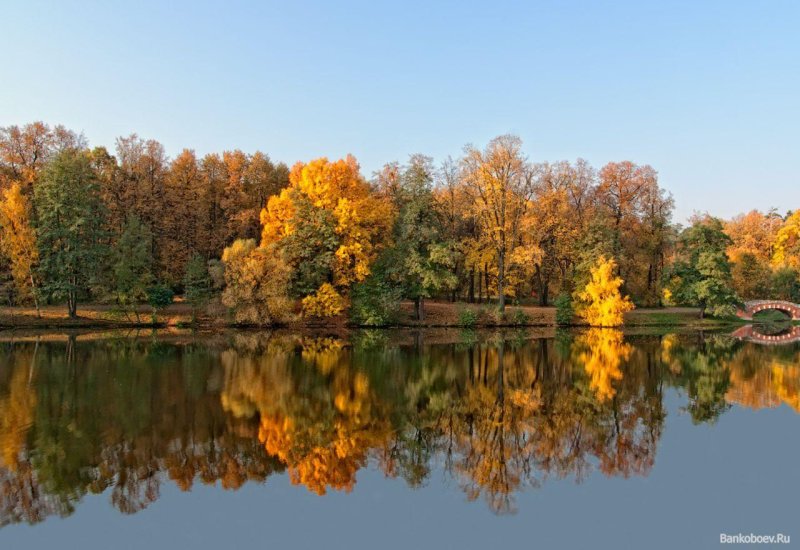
{"x": 362, "y": 220}
{"x": 601, "y": 304}
{"x": 605, "y": 351}
{"x": 17, "y": 238}
{"x": 326, "y": 302}
{"x": 787, "y": 243}
{"x": 256, "y": 283}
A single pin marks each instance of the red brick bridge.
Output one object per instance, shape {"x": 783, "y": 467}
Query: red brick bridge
{"x": 754, "y": 306}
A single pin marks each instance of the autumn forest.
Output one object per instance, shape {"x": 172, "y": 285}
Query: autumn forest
{"x": 242, "y": 237}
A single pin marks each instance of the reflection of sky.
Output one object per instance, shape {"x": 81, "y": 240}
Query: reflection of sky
{"x": 739, "y": 475}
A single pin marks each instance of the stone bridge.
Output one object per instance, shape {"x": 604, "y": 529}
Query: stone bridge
{"x": 754, "y": 306}
{"x": 750, "y": 334}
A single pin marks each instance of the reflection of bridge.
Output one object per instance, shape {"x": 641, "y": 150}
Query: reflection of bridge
{"x": 749, "y": 333}
{"x": 754, "y": 306}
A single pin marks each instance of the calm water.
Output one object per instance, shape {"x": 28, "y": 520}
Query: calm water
{"x": 406, "y": 440}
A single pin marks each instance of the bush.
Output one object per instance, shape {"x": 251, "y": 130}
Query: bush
{"x": 467, "y": 318}
{"x": 374, "y": 303}
{"x": 564, "y": 311}
{"x": 159, "y": 297}
{"x": 520, "y": 318}
{"x": 326, "y": 302}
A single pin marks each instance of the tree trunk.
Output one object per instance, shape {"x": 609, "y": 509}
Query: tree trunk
{"x": 486, "y": 280}
{"x": 35, "y": 297}
{"x": 419, "y": 308}
{"x": 72, "y": 305}
{"x": 501, "y": 272}
{"x": 472, "y": 285}
{"x": 703, "y": 311}
{"x": 480, "y": 287}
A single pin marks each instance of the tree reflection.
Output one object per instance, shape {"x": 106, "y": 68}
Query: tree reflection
{"x": 498, "y": 415}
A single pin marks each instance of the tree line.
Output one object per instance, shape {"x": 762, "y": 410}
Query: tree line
{"x": 320, "y": 240}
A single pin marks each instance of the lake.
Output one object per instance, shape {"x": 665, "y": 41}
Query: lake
{"x": 377, "y": 439}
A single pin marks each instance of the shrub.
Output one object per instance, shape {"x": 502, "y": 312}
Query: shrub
{"x": 159, "y": 297}
{"x": 467, "y": 317}
{"x": 326, "y": 302}
{"x": 375, "y": 303}
{"x": 564, "y": 310}
{"x": 520, "y": 317}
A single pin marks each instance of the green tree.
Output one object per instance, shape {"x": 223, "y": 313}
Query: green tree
{"x": 751, "y": 277}
{"x": 422, "y": 261}
{"x": 159, "y": 297}
{"x": 785, "y": 284}
{"x": 70, "y": 227}
{"x": 701, "y": 275}
{"x": 133, "y": 264}
{"x": 196, "y": 284}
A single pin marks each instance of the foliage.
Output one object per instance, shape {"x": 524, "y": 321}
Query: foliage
{"x": 420, "y": 260}
{"x": 701, "y": 275}
{"x": 325, "y": 302}
{"x": 564, "y": 310}
{"x": 600, "y": 302}
{"x": 375, "y": 302}
{"x": 787, "y": 243}
{"x": 70, "y": 227}
{"x": 785, "y": 284}
{"x": 197, "y": 283}
{"x": 330, "y": 226}
{"x": 18, "y": 240}
{"x": 257, "y": 281}
{"x": 467, "y": 317}
{"x": 159, "y": 297}
{"x": 132, "y": 263}
{"x": 520, "y": 318}
{"x": 498, "y": 180}
{"x": 750, "y": 276}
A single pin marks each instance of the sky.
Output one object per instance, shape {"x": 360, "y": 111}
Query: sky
{"x": 708, "y": 93}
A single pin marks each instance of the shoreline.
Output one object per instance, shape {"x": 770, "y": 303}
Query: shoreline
{"x": 439, "y": 315}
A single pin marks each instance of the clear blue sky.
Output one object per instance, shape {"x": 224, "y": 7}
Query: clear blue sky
{"x": 706, "y": 92}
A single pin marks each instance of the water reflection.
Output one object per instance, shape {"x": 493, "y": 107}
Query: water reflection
{"x": 498, "y": 413}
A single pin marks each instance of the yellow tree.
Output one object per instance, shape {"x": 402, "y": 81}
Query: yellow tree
{"x": 787, "y": 243}
{"x": 256, "y": 283}
{"x": 18, "y": 240}
{"x": 330, "y": 225}
{"x": 499, "y": 181}
{"x": 600, "y": 302}
{"x": 753, "y": 233}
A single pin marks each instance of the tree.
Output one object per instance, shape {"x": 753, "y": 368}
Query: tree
{"x": 18, "y": 241}
{"x": 257, "y": 282}
{"x": 785, "y": 284}
{"x": 750, "y": 276}
{"x": 600, "y": 301}
{"x": 132, "y": 263}
{"x": 330, "y": 227}
{"x": 500, "y": 183}
{"x": 787, "y": 243}
{"x": 70, "y": 227}
{"x": 701, "y": 274}
{"x": 422, "y": 262}
{"x": 159, "y": 297}
{"x": 196, "y": 284}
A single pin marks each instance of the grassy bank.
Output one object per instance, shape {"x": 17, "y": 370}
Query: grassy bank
{"x": 437, "y": 314}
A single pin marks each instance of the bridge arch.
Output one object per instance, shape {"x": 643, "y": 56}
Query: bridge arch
{"x": 755, "y": 306}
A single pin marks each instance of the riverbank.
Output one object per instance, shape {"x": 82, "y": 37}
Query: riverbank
{"x": 437, "y": 314}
